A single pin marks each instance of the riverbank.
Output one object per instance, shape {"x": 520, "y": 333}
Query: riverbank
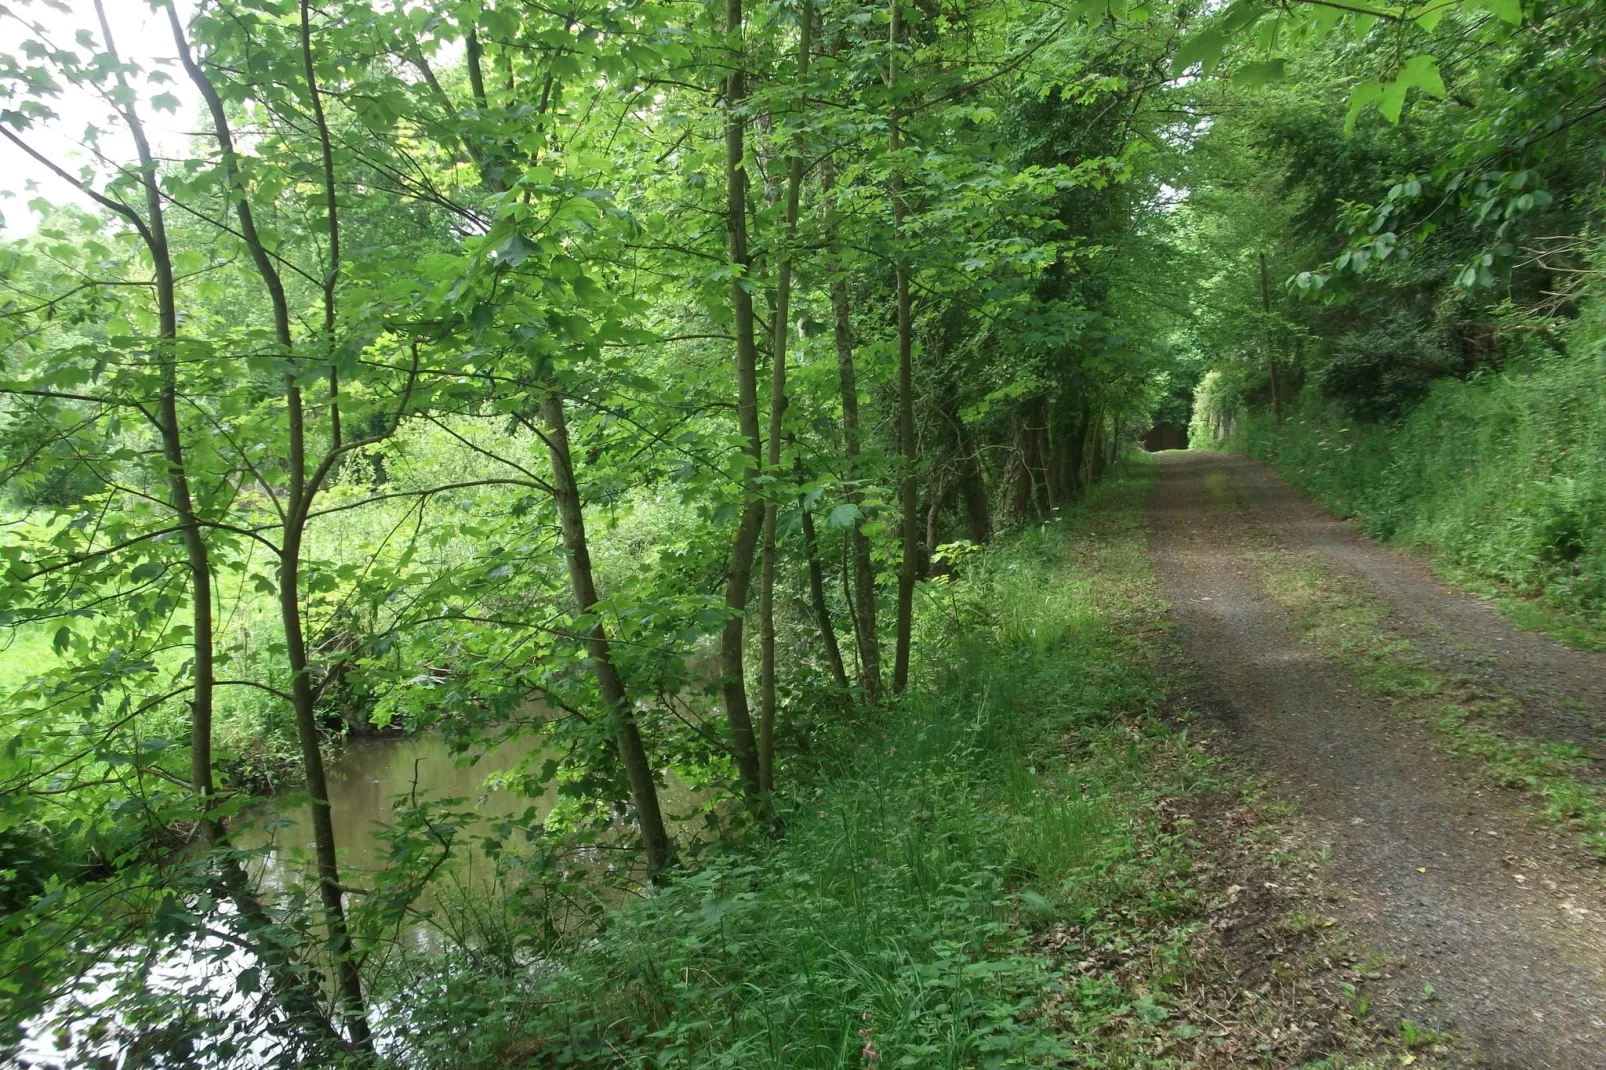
{"x": 1028, "y": 859}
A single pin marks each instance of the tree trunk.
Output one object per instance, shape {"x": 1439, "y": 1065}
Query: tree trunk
{"x": 331, "y": 207}
{"x": 297, "y": 996}
{"x": 1075, "y": 444}
{"x": 1051, "y": 463}
{"x": 847, "y": 600}
{"x": 1036, "y": 457}
{"x": 632, "y": 753}
{"x": 866, "y": 642}
{"x": 972, "y": 485}
{"x": 1093, "y": 451}
{"x": 347, "y": 980}
{"x": 909, "y": 499}
{"x": 967, "y": 479}
{"x": 937, "y": 498}
{"x": 779, "y": 338}
{"x": 656, "y": 844}
{"x": 822, "y": 610}
{"x": 738, "y": 579}
{"x": 1019, "y": 488}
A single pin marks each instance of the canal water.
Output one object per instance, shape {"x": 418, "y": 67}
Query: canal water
{"x": 366, "y": 780}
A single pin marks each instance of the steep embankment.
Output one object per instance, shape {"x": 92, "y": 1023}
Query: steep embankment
{"x": 1024, "y": 863}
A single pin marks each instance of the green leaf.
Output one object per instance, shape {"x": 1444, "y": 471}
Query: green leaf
{"x": 842, "y": 516}
{"x": 1419, "y": 71}
{"x": 1430, "y": 18}
{"x": 1203, "y": 48}
{"x": 1259, "y": 73}
{"x": 714, "y": 910}
{"x": 1505, "y": 10}
{"x": 1367, "y": 92}
{"x": 62, "y": 638}
{"x": 1094, "y": 11}
{"x": 1323, "y": 19}
{"x": 514, "y": 250}
{"x": 165, "y": 102}
{"x": 1423, "y": 72}
{"x": 1241, "y": 14}
{"x": 1392, "y": 99}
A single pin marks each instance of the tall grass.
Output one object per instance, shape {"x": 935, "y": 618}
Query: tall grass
{"x": 1504, "y": 475}
{"x": 892, "y": 923}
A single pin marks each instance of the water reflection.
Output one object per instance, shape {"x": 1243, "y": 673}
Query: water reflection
{"x": 365, "y": 782}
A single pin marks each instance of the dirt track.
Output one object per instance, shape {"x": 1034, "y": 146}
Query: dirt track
{"x": 1427, "y": 864}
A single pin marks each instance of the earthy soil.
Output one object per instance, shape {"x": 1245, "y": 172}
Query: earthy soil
{"x": 1488, "y": 927}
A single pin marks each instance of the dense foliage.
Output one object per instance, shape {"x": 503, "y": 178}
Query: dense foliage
{"x": 421, "y": 391}
{"x": 1427, "y": 353}
{"x": 640, "y": 379}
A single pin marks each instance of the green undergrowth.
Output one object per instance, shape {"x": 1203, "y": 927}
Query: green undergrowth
{"x": 1468, "y": 721}
{"x": 1017, "y": 793}
{"x": 1502, "y": 480}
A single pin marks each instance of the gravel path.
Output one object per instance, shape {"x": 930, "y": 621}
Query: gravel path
{"x": 1455, "y": 885}
{"x": 1561, "y": 691}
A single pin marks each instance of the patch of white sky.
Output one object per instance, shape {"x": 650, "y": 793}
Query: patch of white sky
{"x": 142, "y": 37}
{"x": 1179, "y": 136}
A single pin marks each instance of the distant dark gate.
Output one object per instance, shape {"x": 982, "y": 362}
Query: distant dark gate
{"x": 1165, "y": 437}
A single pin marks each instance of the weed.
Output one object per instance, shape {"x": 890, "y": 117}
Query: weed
{"x": 1414, "y": 1035}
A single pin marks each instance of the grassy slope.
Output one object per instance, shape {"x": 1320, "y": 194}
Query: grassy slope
{"x": 1503, "y": 481}
{"x": 1002, "y": 870}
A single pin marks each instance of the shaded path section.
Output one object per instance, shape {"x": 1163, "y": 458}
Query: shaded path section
{"x": 1518, "y": 968}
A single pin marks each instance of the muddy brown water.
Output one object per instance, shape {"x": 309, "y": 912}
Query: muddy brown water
{"x": 366, "y": 781}
{"x": 372, "y": 775}
{"x": 1456, "y": 886}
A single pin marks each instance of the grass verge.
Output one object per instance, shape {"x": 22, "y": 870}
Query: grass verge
{"x": 1024, "y": 862}
{"x": 1529, "y": 612}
